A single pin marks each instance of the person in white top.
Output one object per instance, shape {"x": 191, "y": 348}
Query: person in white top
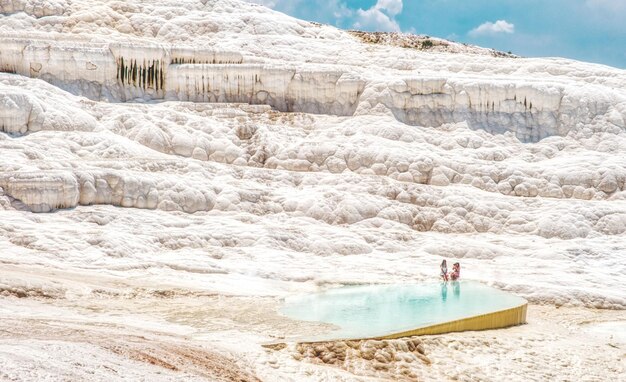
{"x": 444, "y": 270}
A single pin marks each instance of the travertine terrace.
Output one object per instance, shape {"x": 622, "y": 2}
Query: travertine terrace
{"x": 169, "y": 170}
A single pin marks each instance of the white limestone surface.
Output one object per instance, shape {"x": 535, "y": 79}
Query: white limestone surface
{"x": 172, "y": 169}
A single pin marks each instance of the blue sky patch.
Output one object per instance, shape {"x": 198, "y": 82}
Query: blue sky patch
{"x": 586, "y": 30}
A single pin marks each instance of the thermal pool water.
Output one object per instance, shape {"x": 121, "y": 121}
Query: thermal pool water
{"x": 380, "y": 310}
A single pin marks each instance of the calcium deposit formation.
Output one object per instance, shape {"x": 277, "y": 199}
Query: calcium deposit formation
{"x": 170, "y": 170}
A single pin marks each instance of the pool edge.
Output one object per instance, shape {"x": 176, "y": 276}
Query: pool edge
{"x": 494, "y": 320}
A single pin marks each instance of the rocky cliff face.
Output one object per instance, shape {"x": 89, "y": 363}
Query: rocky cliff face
{"x": 531, "y": 109}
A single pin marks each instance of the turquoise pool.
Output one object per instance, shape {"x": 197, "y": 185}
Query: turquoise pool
{"x": 379, "y": 310}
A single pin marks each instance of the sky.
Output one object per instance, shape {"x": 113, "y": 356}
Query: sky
{"x": 586, "y": 30}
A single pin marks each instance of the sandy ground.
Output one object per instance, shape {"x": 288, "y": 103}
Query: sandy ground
{"x": 174, "y": 336}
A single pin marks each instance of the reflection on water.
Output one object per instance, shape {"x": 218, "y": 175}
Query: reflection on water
{"x": 444, "y": 291}
{"x": 456, "y": 289}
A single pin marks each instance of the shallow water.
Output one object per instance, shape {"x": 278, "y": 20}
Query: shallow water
{"x": 377, "y": 310}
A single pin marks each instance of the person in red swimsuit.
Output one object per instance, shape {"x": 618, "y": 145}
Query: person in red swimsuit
{"x": 456, "y": 271}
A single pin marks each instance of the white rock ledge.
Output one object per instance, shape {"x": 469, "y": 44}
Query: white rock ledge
{"x": 43, "y": 191}
{"x": 124, "y": 71}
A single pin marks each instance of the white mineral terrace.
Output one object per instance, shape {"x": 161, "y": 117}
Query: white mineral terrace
{"x": 170, "y": 170}
{"x": 117, "y": 72}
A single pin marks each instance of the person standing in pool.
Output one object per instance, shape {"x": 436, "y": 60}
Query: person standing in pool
{"x": 456, "y": 272}
{"x": 444, "y": 270}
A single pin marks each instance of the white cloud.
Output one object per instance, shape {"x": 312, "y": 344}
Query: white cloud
{"x": 374, "y": 19}
{"x": 380, "y": 17}
{"x": 393, "y": 7}
{"x": 489, "y": 28}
